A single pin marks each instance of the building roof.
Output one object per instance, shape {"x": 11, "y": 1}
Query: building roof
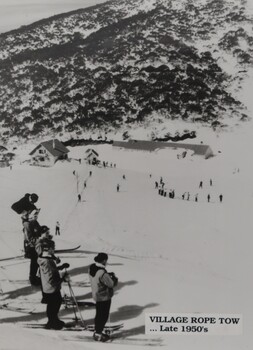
{"x": 55, "y": 147}
{"x": 90, "y": 150}
{"x": 153, "y": 145}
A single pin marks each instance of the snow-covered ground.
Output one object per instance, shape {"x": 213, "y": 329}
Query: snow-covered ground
{"x": 170, "y": 255}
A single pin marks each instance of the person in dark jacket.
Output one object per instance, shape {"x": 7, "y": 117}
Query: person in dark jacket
{"x": 24, "y": 207}
{"x": 26, "y": 203}
{"x": 33, "y": 232}
{"x": 102, "y": 284}
{"x": 51, "y": 280}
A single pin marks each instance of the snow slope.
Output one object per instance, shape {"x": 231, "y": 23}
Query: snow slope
{"x": 170, "y": 255}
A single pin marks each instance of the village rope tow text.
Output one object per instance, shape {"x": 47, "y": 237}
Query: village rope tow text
{"x": 196, "y": 323}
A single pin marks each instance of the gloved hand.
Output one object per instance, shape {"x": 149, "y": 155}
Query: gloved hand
{"x": 65, "y": 266}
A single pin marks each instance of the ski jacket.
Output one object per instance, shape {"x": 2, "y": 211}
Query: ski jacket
{"x": 24, "y": 204}
{"x": 49, "y": 274}
{"x": 33, "y": 231}
{"x": 101, "y": 283}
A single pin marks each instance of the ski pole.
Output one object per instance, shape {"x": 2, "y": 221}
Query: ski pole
{"x": 76, "y": 303}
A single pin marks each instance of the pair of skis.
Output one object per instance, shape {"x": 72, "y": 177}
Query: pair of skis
{"x": 72, "y": 326}
{"x": 57, "y": 251}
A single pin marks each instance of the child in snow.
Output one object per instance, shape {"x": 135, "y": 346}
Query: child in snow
{"x": 102, "y": 284}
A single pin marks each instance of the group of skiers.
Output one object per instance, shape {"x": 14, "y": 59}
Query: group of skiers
{"x": 186, "y": 195}
{"x": 46, "y": 272}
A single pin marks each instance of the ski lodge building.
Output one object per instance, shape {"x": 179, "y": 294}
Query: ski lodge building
{"x": 48, "y": 152}
{"x": 150, "y": 146}
{"x": 91, "y": 156}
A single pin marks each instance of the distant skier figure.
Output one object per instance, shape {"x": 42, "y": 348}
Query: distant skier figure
{"x": 102, "y": 285}
{"x": 90, "y": 173}
{"x": 196, "y": 197}
{"x": 74, "y": 172}
{"x": 79, "y": 197}
{"x": 84, "y": 184}
{"x": 221, "y": 198}
{"x": 208, "y": 198}
{"x": 156, "y": 184}
{"x": 57, "y": 228}
{"x": 172, "y": 194}
{"x": 161, "y": 180}
{"x": 211, "y": 182}
{"x": 51, "y": 280}
{"x": 201, "y": 184}
{"x": 80, "y": 161}
{"x": 124, "y": 177}
{"x": 188, "y": 196}
{"x": 183, "y": 195}
{"x": 117, "y": 187}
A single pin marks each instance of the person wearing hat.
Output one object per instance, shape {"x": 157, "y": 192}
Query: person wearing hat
{"x": 51, "y": 280}
{"x": 102, "y": 284}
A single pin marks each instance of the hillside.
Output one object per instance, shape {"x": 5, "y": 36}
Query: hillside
{"x": 126, "y": 64}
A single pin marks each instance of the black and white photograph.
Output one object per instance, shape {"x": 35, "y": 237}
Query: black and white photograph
{"x": 126, "y": 191}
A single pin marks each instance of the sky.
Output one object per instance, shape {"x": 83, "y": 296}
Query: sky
{"x": 15, "y": 13}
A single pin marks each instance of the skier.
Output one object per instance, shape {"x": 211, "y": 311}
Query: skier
{"x": 57, "y": 228}
{"x": 124, "y": 177}
{"x": 211, "y": 182}
{"x": 51, "y": 280}
{"x": 79, "y": 197}
{"x": 156, "y": 184}
{"x": 90, "y": 173}
{"x": 196, "y": 197}
{"x": 201, "y": 184}
{"x": 208, "y": 198}
{"x": 117, "y": 187}
{"x": 24, "y": 207}
{"x": 84, "y": 184}
{"x": 183, "y": 195}
{"x": 188, "y": 196}
{"x": 221, "y": 198}
{"x": 34, "y": 231}
{"x": 102, "y": 284}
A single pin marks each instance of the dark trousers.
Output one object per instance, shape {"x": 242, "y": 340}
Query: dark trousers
{"x": 33, "y": 269}
{"x": 33, "y": 264}
{"x": 53, "y": 302}
{"x": 102, "y": 314}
